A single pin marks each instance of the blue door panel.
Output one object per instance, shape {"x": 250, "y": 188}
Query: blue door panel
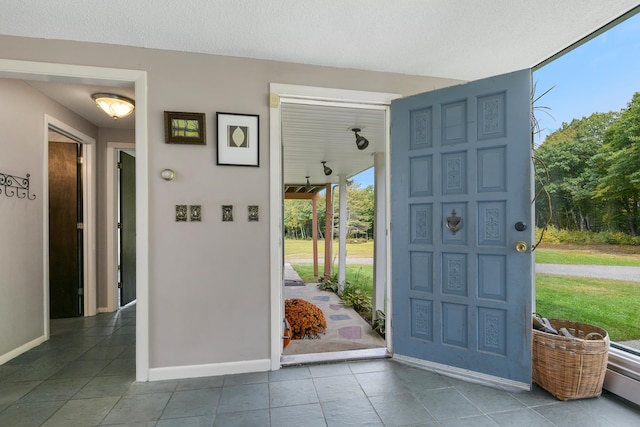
{"x": 460, "y": 180}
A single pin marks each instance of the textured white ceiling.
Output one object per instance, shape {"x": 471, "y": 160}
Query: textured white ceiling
{"x": 457, "y": 39}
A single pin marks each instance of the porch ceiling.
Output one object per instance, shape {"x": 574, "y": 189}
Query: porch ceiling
{"x": 451, "y": 39}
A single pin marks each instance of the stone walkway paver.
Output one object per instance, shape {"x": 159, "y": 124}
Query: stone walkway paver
{"x": 346, "y": 329}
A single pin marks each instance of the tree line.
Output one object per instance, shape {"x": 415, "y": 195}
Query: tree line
{"x": 360, "y": 213}
{"x": 588, "y": 173}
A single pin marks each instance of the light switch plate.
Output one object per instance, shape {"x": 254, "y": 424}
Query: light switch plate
{"x": 227, "y": 213}
{"x": 181, "y": 213}
{"x": 195, "y": 212}
{"x": 253, "y": 213}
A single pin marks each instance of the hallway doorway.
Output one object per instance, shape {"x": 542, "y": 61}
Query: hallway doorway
{"x": 69, "y": 245}
{"x": 66, "y": 249}
{"x": 127, "y": 227}
{"x": 38, "y": 71}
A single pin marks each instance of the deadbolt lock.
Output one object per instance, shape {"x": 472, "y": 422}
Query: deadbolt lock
{"x": 521, "y": 246}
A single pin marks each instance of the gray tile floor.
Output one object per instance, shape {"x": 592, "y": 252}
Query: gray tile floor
{"x": 84, "y": 376}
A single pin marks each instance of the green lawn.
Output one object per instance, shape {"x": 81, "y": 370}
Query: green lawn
{"x": 354, "y": 273}
{"x": 610, "y": 304}
{"x": 303, "y": 249}
{"x": 584, "y": 257}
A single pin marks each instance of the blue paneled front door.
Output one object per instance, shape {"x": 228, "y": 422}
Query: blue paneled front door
{"x": 461, "y": 191}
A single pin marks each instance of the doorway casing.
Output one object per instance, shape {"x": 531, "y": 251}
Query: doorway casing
{"x": 29, "y": 70}
{"x": 279, "y": 93}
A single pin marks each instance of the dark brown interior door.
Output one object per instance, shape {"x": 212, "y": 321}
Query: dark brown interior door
{"x": 127, "y": 228}
{"x": 65, "y": 296}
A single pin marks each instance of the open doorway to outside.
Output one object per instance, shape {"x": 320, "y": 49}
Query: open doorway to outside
{"x": 320, "y": 157}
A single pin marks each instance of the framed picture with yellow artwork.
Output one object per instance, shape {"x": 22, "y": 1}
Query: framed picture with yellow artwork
{"x": 184, "y": 128}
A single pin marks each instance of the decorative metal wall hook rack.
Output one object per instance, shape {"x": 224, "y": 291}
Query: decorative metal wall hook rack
{"x": 17, "y": 186}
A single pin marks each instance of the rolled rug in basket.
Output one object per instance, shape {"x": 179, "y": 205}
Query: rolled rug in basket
{"x": 570, "y": 367}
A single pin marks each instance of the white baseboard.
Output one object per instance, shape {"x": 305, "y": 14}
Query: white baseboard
{"x": 465, "y": 374}
{"x": 209, "y": 370}
{"x": 22, "y": 349}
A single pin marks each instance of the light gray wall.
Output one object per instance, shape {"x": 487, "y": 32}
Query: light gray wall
{"x": 22, "y": 151}
{"x": 209, "y": 281}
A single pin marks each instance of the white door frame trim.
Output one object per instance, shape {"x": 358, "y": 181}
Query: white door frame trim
{"x": 307, "y": 95}
{"x": 29, "y": 70}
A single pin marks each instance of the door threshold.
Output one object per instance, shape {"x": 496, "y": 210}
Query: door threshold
{"x": 334, "y": 356}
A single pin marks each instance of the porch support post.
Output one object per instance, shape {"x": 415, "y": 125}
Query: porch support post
{"x": 314, "y": 233}
{"x": 379, "y": 235}
{"x": 342, "y": 263}
{"x": 328, "y": 232}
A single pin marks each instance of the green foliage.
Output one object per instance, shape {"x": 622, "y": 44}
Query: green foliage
{"x": 359, "y": 297}
{"x": 592, "y": 165}
{"x": 360, "y": 210}
{"x": 298, "y": 215}
{"x": 380, "y": 322}
{"x": 553, "y": 236}
{"x": 618, "y": 163}
{"x": 567, "y": 157}
{"x": 330, "y": 284}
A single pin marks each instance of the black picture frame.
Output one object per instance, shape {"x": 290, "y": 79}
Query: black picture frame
{"x": 238, "y": 142}
{"x": 184, "y": 128}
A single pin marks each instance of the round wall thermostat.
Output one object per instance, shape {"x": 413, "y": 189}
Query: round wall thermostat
{"x": 167, "y": 174}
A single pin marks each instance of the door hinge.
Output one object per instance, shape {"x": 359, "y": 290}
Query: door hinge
{"x": 80, "y": 160}
{"x": 119, "y": 225}
{"x": 119, "y": 165}
{"x": 119, "y": 285}
{"x": 80, "y": 291}
{"x": 80, "y": 226}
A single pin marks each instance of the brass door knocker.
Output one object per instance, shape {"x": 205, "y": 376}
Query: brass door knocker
{"x": 454, "y": 222}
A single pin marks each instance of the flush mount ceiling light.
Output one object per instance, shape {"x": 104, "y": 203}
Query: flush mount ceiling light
{"x": 307, "y": 186}
{"x": 115, "y": 106}
{"x": 327, "y": 170}
{"x": 361, "y": 141}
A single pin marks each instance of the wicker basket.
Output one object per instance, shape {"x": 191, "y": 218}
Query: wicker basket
{"x": 570, "y": 368}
